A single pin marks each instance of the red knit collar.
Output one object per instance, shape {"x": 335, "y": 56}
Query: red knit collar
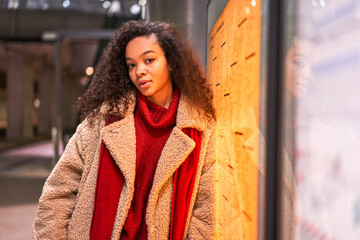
{"x": 155, "y": 115}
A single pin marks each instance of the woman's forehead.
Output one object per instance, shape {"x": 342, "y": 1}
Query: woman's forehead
{"x": 141, "y": 45}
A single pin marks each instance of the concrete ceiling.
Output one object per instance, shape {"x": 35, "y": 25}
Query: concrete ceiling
{"x": 28, "y": 23}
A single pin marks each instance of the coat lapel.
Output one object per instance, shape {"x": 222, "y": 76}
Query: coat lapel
{"x": 177, "y": 148}
{"x": 120, "y": 139}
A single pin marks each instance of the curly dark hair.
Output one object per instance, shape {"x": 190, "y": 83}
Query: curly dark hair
{"x": 111, "y": 82}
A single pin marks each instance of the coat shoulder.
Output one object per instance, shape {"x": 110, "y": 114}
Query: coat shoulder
{"x": 210, "y": 127}
{"x": 88, "y": 131}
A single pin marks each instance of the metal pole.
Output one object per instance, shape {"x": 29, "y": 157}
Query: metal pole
{"x": 273, "y": 119}
{"x": 143, "y": 12}
{"x": 56, "y": 131}
{"x": 147, "y": 12}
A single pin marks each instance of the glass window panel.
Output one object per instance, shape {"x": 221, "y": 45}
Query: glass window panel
{"x": 321, "y": 127}
{"x": 234, "y": 53}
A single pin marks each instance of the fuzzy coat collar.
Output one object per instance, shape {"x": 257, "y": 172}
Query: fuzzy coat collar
{"x": 186, "y": 116}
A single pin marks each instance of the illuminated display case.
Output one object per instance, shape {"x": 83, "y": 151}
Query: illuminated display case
{"x": 234, "y": 52}
{"x": 285, "y": 81}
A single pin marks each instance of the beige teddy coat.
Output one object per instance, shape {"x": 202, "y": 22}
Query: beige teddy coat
{"x": 67, "y": 201}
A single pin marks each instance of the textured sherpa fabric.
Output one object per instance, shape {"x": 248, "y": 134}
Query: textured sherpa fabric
{"x": 66, "y": 204}
{"x": 153, "y": 125}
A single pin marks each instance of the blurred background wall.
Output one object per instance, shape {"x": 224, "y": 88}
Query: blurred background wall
{"x": 27, "y": 55}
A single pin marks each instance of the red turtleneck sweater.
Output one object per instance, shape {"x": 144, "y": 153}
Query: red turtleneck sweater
{"x": 153, "y": 125}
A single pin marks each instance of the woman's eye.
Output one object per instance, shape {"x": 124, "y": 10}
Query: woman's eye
{"x": 298, "y": 63}
{"x": 149, "y": 60}
{"x": 130, "y": 65}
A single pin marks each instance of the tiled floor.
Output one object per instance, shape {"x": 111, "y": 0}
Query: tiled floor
{"x": 23, "y": 172}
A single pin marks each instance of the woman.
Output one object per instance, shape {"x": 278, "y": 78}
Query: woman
{"x": 142, "y": 164}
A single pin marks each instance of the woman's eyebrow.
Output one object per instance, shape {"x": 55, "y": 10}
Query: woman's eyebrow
{"x": 299, "y": 54}
{"x": 146, "y": 52}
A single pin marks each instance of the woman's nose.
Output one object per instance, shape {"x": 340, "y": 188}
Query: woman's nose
{"x": 140, "y": 71}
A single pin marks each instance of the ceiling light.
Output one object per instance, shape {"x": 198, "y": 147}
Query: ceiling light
{"x": 13, "y": 4}
{"x": 89, "y": 71}
{"x": 106, "y": 4}
{"x": 36, "y": 103}
{"x": 66, "y": 3}
{"x": 135, "y": 9}
{"x": 322, "y": 3}
{"x": 115, "y": 8}
{"x": 44, "y": 6}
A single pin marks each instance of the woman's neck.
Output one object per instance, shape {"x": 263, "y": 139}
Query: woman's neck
{"x": 162, "y": 99}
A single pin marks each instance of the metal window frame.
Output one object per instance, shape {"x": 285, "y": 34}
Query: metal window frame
{"x": 275, "y": 60}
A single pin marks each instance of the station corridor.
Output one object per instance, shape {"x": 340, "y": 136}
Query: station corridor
{"x": 23, "y": 171}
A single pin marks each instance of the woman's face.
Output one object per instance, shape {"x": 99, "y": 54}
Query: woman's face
{"x": 149, "y": 70}
{"x": 298, "y": 67}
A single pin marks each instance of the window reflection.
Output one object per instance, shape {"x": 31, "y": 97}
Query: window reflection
{"x": 321, "y": 147}
{"x": 297, "y": 78}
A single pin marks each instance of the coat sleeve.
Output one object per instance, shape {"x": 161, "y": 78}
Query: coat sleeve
{"x": 58, "y": 197}
{"x": 203, "y": 219}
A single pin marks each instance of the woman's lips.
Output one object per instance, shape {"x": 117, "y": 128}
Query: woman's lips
{"x": 144, "y": 83}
